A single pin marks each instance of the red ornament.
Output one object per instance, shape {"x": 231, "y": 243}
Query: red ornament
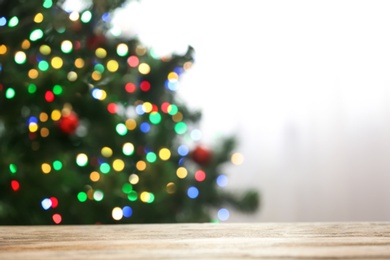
{"x": 201, "y": 155}
{"x": 69, "y": 123}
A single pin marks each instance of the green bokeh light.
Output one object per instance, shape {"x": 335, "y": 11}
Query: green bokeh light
{"x": 36, "y": 35}
{"x": 43, "y": 65}
{"x": 172, "y": 109}
{"x": 121, "y": 129}
{"x": 155, "y": 118}
{"x": 99, "y": 67}
{"x": 151, "y": 157}
{"x": 105, "y": 168}
{"x": 10, "y": 93}
{"x": 82, "y": 196}
{"x": 57, "y": 165}
{"x": 57, "y": 90}
{"x": 133, "y": 195}
{"x": 32, "y": 88}
{"x": 127, "y": 188}
{"x": 86, "y": 17}
{"x": 13, "y": 168}
{"x": 151, "y": 198}
{"x": 14, "y": 21}
{"x": 181, "y": 128}
{"x": 47, "y": 3}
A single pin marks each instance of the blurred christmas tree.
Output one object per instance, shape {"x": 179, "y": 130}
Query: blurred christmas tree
{"x": 91, "y": 130}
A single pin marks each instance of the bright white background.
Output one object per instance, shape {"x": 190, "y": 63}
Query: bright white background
{"x": 305, "y": 85}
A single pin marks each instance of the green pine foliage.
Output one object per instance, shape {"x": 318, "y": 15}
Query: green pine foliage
{"x": 91, "y": 129}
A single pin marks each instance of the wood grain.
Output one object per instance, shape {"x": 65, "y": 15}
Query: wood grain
{"x": 360, "y": 240}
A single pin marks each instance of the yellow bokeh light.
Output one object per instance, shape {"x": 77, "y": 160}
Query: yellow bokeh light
{"x": 72, "y": 76}
{"x": 38, "y": 18}
{"x": 131, "y": 124}
{"x": 117, "y": 213}
{"x": 106, "y": 151}
{"x": 45, "y": 49}
{"x": 74, "y": 16}
{"x": 144, "y": 68}
{"x": 57, "y": 62}
{"x": 33, "y": 74}
{"x": 133, "y": 178}
{"x": 55, "y": 115}
{"x": 43, "y": 117}
{"x": 103, "y": 94}
{"x": 3, "y": 49}
{"x": 237, "y": 158}
{"x": 181, "y": 172}
{"x": 112, "y": 65}
{"x": 173, "y": 76}
{"x": 96, "y": 75}
{"x": 101, "y": 53}
{"x": 26, "y": 44}
{"x": 79, "y": 63}
{"x": 164, "y": 154}
{"x": 145, "y": 196}
{"x": 94, "y": 176}
{"x": 147, "y": 107}
{"x": 45, "y": 132}
{"x": 118, "y": 165}
{"x": 33, "y": 127}
{"x": 171, "y": 188}
{"x": 140, "y": 165}
{"x": 46, "y": 168}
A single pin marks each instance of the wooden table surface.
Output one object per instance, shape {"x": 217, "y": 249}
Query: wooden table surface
{"x": 348, "y": 240}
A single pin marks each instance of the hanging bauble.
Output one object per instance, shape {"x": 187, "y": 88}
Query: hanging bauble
{"x": 69, "y": 123}
{"x": 201, "y": 155}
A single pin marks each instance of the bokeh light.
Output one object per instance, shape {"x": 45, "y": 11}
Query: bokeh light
{"x": 81, "y": 159}
{"x": 192, "y": 192}
{"x": 223, "y": 214}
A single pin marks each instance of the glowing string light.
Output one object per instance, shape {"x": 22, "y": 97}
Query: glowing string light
{"x": 151, "y": 157}
{"x": 81, "y": 159}
{"x": 105, "y": 168}
{"x": 192, "y": 192}
{"x": 132, "y": 196}
{"x": 82, "y": 196}
{"x": 117, "y": 213}
{"x": 223, "y": 214}
{"x": 86, "y": 16}
{"x": 20, "y": 57}
{"x": 15, "y": 185}
{"x": 36, "y": 35}
{"x": 10, "y": 93}
{"x": 14, "y": 21}
{"x": 127, "y": 211}
{"x": 57, "y": 218}
{"x": 164, "y": 154}
{"x": 128, "y": 149}
{"x": 98, "y": 195}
